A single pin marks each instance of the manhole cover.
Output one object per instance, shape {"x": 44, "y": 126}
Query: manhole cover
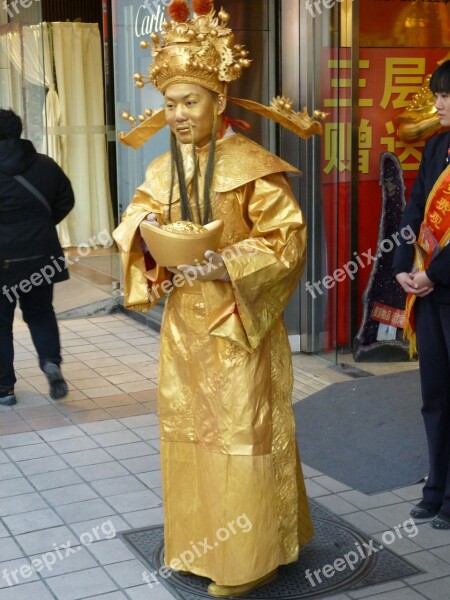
{"x": 333, "y": 540}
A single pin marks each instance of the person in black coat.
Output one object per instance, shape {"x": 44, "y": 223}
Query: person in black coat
{"x": 431, "y": 288}
{"x": 31, "y": 257}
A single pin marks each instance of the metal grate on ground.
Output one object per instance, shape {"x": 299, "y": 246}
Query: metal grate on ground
{"x": 333, "y": 539}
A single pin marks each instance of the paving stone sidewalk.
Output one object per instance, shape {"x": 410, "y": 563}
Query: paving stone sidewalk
{"x": 74, "y": 473}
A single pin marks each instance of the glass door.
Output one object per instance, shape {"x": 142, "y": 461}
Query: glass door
{"x": 318, "y": 40}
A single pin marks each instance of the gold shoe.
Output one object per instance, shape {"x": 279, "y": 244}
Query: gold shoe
{"x": 227, "y": 591}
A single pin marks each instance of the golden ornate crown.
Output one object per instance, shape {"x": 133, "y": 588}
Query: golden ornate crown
{"x": 198, "y": 50}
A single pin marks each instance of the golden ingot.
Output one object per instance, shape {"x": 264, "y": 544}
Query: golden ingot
{"x": 183, "y": 227}
{"x": 181, "y": 243}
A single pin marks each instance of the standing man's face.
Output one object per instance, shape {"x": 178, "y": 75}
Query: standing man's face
{"x": 442, "y": 103}
{"x": 190, "y": 112}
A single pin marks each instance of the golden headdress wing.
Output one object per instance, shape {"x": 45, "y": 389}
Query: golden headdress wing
{"x": 420, "y": 119}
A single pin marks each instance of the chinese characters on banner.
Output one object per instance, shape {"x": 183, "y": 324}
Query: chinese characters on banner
{"x": 388, "y": 315}
{"x": 442, "y": 207}
{"x": 388, "y": 80}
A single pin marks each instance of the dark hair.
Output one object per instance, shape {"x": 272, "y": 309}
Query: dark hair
{"x": 10, "y": 124}
{"x": 440, "y": 80}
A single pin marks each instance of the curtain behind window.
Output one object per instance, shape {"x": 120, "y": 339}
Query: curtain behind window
{"x": 79, "y": 76}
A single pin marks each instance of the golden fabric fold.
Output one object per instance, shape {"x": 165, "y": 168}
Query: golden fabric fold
{"x": 222, "y": 318}
{"x": 249, "y": 534}
{"x": 265, "y": 268}
{"x": 254, "y": 162}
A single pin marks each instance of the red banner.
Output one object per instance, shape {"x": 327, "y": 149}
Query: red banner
{"x": 388, "y": 78}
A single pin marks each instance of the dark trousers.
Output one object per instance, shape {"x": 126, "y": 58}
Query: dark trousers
{"x": 38, "y": 314}
{"x": 433, "y": 337}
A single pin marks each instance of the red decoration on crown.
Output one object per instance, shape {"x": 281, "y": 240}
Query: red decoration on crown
{"x": 202, "y": 7}
{"x": 179, "y": 11}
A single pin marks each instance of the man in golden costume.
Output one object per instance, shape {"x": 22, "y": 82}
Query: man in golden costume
{"x": 228, "y": 447}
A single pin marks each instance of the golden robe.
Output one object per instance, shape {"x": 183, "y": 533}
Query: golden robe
{"x": 234, "y": 498}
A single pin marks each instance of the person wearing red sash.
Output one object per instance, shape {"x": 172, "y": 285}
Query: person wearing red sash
{"x": 423, "y": 271}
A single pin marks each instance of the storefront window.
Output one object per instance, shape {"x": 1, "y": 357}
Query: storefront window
{"x": 133, "y": 22}
{"x": 362, "y": 63}
{"x": 22, "y": 76}
{"x": 51, "y": 72}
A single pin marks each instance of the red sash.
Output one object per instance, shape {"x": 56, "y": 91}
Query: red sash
{"x": 434, "y": 234}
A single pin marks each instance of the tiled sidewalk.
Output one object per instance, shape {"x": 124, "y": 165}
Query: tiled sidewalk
{"x": 76, "y": 472}
{"x": 110, "y": 363}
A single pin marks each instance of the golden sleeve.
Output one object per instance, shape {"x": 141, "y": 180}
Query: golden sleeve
{"x": 139, "y": 279}
{"x": 264, "y": 269}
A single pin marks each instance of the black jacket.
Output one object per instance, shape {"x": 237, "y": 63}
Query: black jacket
{"x": 27, "y": 229}
{"x": 432, "y": 164}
